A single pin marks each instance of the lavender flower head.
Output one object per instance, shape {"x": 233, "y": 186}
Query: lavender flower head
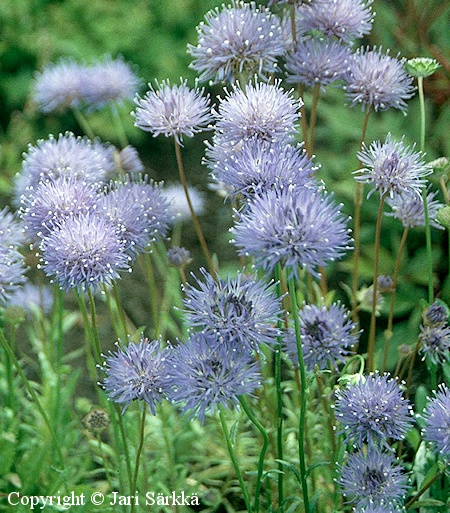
{"x": 377, "y": 508}
{"x": 11, "y": 229}
{"x": 83, "y": 252}
{"x": 377, "y": 80}
{"x": 137, "y": 372}
{"x": 344, "y": 19}
{"x": 239, "y": 39}
{"x": 372, "y": 477}
{"x": 129, "y": 161}
{"x": 257, "y": 166}
{"x": 139, "y": 210}
{"x": 241, "y": 311}
{"x": 392, "y": 167}
{"x": 437, "y": 421}
{"x": 373, "y": 410}
{"x": 297, "y": 227}
{"x": 12, "y": 270}
{"x": 327, "y": 333}
{"x": 110, "y": 80}
{"x": 317, "y": 61}
{"x": 173, "y": 110}
{"x": 66, "y": 155}
{"x": 435, "y": 343}
{"x": 59, "y": 86}
{"x": 204, "y": 375}
{"x": 52, "y": 201}
{"x": 263, "y": 111}
{"x": 409, "y": 209}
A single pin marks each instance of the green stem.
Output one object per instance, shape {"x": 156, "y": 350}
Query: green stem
{"x": 357, "y": 227}
{"x": 83, "y": 123}
{"x": 123, "y": 436}
{"x": 388, "y": 333}
{"x": 425, "y": 487}
{"x": 234, "y": 460}
{"x": 120, "y": 310}
{"x": 424, "y": 194}
{"x": 195, "y": 220}
{"x": 279, "y": 392}
{"x": 154, "y": 300}
{"x": 138, "y": 456}
{"x": 262, "y": 455}
{"x": 372, "y": 331}
{"x": 302, "y": 417}
{"x": 118, "y": 124}
{"x": 96, "y": 337}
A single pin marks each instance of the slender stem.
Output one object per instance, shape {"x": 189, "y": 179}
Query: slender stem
{"x": 313, "y": 117}
{"x": 424, "y": 194}
{"x": 138, "y": 456}
{"x": 280, "y": 439}
{"x": 195, "y": 220}
{"x": 234, "y": 460}
{"x": 154, "y": 300}
{"x": 293, "y": 24}
{"x": 123, "y": 436}
{"x": 120, "y": 310}
{"x": 425, "y": 488}
{"x": 357, "y": 226}
{"x": 118, "y": 124}
{"x": 302, "y": 417}
{"x": 372, "y": 331}
{"x": 262, "y": 455}
{"x": 388, "y": 333}
{"x": 96, "y": 337}
{"x": 83, "y": 123}
{"x": 88, "y": 328}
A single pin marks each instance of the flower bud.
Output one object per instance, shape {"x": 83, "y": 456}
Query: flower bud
{"x": 421, "y": 66}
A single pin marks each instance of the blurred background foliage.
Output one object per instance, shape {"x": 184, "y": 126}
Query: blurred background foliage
{"x": 153, "y": 34}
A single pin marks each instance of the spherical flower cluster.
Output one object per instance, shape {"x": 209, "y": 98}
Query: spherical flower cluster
{"x": 377, "y": 80}
{"x": 137, "y": 372}
{"x": 68, "y": 84}
{"x": 317, "y": 61}
{"x": 437, "y": 421}
{"x": 59, "y": 86}
{"x": 392, "y": 167}
{"x": 173, "y": 110}
{"x": 66, "y": 155}
{"x": 53, "y": 200}
{"x": 257, "y": 166}
{"x": 436, "y": 314}
{"x": 435, "y": 343}
{"x": 409, "y": 209}
{"x": 373, "y": 410}
{"x": 178, "y": 257}
{"x": 263, "y": 111}
{"x": 238, "y": 39}
{"x": 109, "y": 80}
{"x": 204, "y": 375}
{"x": 84, "y": 251}
{"x": 241, "y": 311}
{"x": 11, "y": 229}
{"x": 327, "y": 333}
{"x": 139, "y": 210}
{"x": 296, "y": 227}
{"x": 345, "y": 19}
{"x": 372, "y": 477}
{"x": 129, "y": 160}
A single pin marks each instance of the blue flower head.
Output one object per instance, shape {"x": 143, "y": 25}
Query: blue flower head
{"x": 256, "y": 166}
{"x": 377, "y": 80}
{"x": 241, "y": 311}
{"x": 297, "y": 227}
{"x": 327, "y": 333}
{"x": 371, "y": 477}
{"x": 373, "y": 410}
{"x": 12, "y": 270}
{"x": 173, "y": 110}
{"x": 257, "y": 111}
{"x": 344, "y": 19}
{"x": 409, "y": 209}
{"x": 392, "y": 168}
{"x": 84, "y": 251}
{"x": 437, "y": 422}
{"x": 435, "y": 343}
{"x": 204, "y": 374}
{"x": 137, "y": 372}
{"x": 242, "y": 38}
